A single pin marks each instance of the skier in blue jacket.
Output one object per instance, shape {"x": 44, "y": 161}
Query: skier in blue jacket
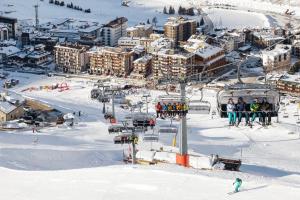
{"x": 237, "y": 184}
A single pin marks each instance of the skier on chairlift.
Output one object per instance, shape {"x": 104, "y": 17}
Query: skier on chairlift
{"x": 265, "y": 112}
{"x": 241, "y": 111}
{"x": 255, "y": 110}
{"x": 231, "y": 112}
{"x": 158, "y": 108}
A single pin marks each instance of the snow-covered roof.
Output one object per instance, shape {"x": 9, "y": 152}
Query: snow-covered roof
{"x": 6, "y": 107}
{"x": 143, "y": 59}
{"x": 291, "y": 78}
{"x": 280, "y": 49}
{"x": 10, "y": 50}
{"x": 208, "y": 50}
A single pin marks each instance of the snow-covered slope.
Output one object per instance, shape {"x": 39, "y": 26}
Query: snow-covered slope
{"x": 127, "y": 183}
{"x": 138, "y": 11}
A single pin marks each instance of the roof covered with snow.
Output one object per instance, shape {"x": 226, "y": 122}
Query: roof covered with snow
{"x": 6, "y": 107}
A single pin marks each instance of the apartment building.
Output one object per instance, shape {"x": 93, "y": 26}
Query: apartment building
{"x": 169, "y": 62}
{"x": 141, "y": 30}
{"x": 71, "y": 58}
{"x": 11, "y": 24}
{"x": 289, "y": 84}
{"x": 111, "y": 61}
{"x": 142, "y": 67}
{"x": 207, "y": 57}
{"x": 278, "y": 59}
{"x": 113, "y": 31}
{"x": 238, "y": 39}
{"x": 179, "y": 29}
{"x": 264, "y": 39}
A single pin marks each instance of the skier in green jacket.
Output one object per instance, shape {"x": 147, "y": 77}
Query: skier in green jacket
{"x": 255, "y": 108}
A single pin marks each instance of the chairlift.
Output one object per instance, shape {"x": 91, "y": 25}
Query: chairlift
{"x": 150, "y": 138}
{"x": 103, "y": 98}
{"x": 172, "y": 129}
{"x": 140, "y": 129}
{"x": 285, "y": 115}
{"x": 108, "y": 115}
{"x": 141, "y": 119}
{"x": 296, "y": 114}
{"x": 170, "y": 99}
{"x": 95, "y": 93}
{"x": 199, "y": 107}
{"x": 248, "y": 92}
{"x": 119, "y": 98}
{"x": 125, "y": 139}
{"x": 118, "y": 128}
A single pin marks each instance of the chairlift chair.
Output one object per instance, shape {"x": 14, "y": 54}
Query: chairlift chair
{"x": 172, "y": 129}
{"x": 141, "y": 119}
{"x": 124, "y": 139}
{"x": 150, "y": 138}
{"x": 103, "y": 98}
{"x": 118, "y": 128}
{"x": 285, "y": 115}
{"x": 199, "y": 107}
{"x": 248, "y": 92}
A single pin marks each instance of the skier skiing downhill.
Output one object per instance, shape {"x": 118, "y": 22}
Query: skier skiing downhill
{"x": 237, "y": 184}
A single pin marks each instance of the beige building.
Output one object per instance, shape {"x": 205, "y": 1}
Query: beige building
{"x": 142, "y": 67}
{"x": 172, "y": 63}
{"x": 179, "y": 29}
{"x": 9, "y": 111}
{"x": 278, "y": 59}
{"x": 207, "y": 57}
{"x": 111, "y": 61}
{"x": 141, "y": 30}
{"x": 71, "y": 58}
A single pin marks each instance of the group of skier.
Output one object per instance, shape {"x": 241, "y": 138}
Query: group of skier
{"x": 171, "y": 109}
{"x": 236, "y": 111}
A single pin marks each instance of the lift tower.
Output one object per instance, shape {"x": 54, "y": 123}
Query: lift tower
{"x": 36, "y": 8}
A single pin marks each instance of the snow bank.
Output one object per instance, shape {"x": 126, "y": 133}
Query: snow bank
{"x": 145, "y": 155}
{"x": 169, "y": 157}
{"x": 14, "y": 125}
{"x": 200, "y": 162}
